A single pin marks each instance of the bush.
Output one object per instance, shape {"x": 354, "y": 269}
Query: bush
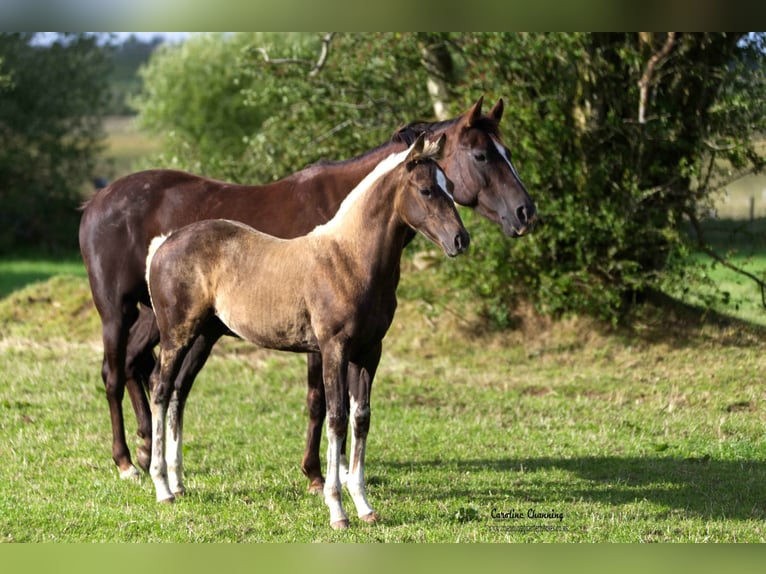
{"x": 51, "y": 103}
{"x": 616, "y": 170}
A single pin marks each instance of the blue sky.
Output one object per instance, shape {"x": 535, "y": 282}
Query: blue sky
{"x": 44, "y": 38}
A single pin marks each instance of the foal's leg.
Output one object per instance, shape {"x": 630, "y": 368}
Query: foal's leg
{"x": 174, "y": 445}
{"x": 360, "y": 383}
{"x": 317, "y": 407}
{"x": 335, "y": 365}
{"x": 161, "y": 389}
{"x": 315, "y": 402}
{"x": 192, "y": 364}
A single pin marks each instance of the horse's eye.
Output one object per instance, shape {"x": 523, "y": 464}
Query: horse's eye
{"x": 480, "y": 156}
{"x": 425, "y": 192}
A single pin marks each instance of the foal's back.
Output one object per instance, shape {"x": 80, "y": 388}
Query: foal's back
{"x": 253, "y": 282}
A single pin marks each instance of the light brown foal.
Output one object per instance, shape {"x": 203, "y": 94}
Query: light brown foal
{"x": 332, "y": 291}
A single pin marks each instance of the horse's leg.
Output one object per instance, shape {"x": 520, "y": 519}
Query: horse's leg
{"x": 115, "y": 336}
{"x": 334, "y": 368}
{"x": 192, "y": 364}
{"x": 360, "y": 383}
{"x": 315, "y": 401}
{"x": 144, "y": 335}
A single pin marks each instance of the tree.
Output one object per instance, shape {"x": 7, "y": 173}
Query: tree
{"x": 613, "y": 134}
{"x": 50, "y": 132}
{"x": 193, "y": 96}
{"x": 616, "y": 193}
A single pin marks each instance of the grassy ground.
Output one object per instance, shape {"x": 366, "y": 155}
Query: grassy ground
{"x": 652, "y": 434}
{"x": 742, "y": 243}
{"x": 649, "y": 435}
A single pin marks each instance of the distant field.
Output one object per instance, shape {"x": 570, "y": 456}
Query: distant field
{"x": 126, "y": 144}
{"x": 744, "y": 198}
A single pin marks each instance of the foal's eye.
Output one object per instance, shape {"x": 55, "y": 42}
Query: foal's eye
{"x": 480, "y": 156}
{"x": 425, "y": 192}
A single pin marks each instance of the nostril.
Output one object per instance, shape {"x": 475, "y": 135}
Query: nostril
{"x": 521, "y": 214}
{"x": 461, "y": 242}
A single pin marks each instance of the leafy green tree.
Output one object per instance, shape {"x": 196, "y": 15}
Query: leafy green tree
{"x": 124, "y": 81}
{"x": 614, "y": 135}
{"x": 50, "y": 132}
{"x": 193, "y": 96}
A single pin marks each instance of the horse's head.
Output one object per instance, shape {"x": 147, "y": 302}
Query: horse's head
{"x": 425, "y": 202}
{"x": 480, "y": 165}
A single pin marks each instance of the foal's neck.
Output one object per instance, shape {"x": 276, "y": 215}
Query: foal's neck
{"x": 371, "y": 231}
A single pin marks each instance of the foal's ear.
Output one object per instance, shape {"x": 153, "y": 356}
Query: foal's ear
{"x": 417, "y": 149}
{"x": 473, "y": 115}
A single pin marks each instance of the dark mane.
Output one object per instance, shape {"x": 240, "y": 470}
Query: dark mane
{"x": 324, "y": 162}
{"x": 409, "y": 133}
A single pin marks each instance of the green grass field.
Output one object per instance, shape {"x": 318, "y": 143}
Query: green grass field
{"x": 561, "y": 431}
{"x": 649, "y": 435}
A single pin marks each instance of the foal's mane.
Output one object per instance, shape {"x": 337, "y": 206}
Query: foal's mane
{"x": 431, "y": 151}
{"x": 407, "y": 135}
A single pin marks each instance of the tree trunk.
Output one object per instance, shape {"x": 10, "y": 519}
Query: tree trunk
{"x": 438, "y": 63}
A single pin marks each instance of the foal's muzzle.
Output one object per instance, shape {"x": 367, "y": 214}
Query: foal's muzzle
{"x": 462, "y": 240}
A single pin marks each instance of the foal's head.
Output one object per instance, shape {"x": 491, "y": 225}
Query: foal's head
{"x": 425, "y": 200}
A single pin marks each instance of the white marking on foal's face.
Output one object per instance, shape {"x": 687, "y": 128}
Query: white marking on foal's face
{"x": 504, "y": 154}
{"x": 441, "y": 181}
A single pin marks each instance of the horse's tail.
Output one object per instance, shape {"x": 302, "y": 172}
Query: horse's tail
{"x": 153, "y": 247}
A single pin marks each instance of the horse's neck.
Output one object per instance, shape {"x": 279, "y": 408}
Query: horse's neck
{"x": 346, "y": 174}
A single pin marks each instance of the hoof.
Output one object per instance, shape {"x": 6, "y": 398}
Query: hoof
{"x": 144, "y": 458}
{"x": 316, "y": 486}
{"x": 169, "y": 500}
{"x": 371, "y": 518}
{"x": 340, "y": 524}
{"x": 130, "y": 473}
{"x": 180, "y": 492}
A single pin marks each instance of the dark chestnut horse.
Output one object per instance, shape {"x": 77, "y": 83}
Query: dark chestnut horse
{"x": 332, "y": 291}
{"x": 120, "y": 220}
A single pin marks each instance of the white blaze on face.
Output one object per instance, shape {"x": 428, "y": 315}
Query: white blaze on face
{"x": 504, "y": 154}
{"x": 441, "y": 181}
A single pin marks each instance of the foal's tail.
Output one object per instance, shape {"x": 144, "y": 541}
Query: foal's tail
{"x": 153, "y": 247}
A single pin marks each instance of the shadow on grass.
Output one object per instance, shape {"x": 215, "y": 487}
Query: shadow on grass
{"x": 13, "y": 281}
{"x": 665, "y": 319}
{"x": 687, "y": 487}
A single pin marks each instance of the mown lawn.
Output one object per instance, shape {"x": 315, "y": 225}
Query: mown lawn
{"x": 562, "y": 432}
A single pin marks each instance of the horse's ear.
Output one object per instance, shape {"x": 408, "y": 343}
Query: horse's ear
{"x": 472, "y": 116}
{"x": 496, "y": 113}
{"x": 440, "y": 143}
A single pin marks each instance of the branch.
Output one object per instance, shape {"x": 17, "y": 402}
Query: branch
{"x": 316, "y": 66}
{"x": 705, "y": 247}
{"x": 332, "y": 131}
{"x": 322, "y": 54}
{"x": 643, "y": 83}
